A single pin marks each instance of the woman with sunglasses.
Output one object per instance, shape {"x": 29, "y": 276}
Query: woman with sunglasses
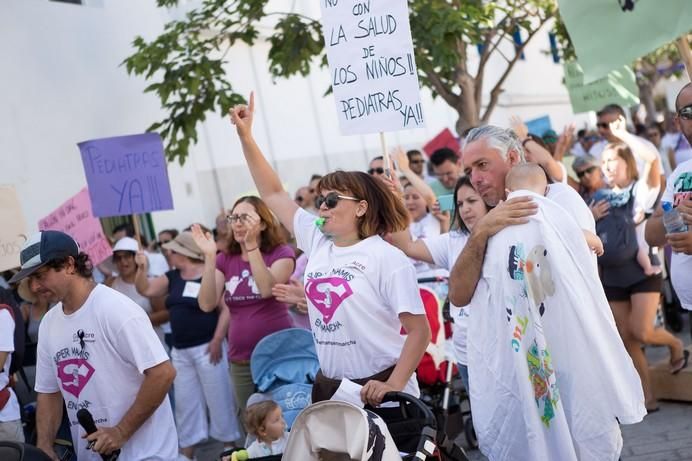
{"x": 361, "y": 291}
{"x": 256, "y": 259}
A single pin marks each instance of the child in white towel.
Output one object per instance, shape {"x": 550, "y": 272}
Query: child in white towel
{"x": 531, "y": 177}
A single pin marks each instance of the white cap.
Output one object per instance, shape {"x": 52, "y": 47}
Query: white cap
{"x": 126, "y": 244}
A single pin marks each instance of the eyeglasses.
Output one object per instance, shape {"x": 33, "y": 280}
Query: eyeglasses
{"x": 237, "y": 217}
{"x": 161, "y": 243}
{"x": 685, "y": 113}
{"x": 332, "y": 199}
{"x": 605, "y": 126}
{"x": 378, "y": 170}
{"x": 589, "y": 170}
{"x": 416, "y": 162}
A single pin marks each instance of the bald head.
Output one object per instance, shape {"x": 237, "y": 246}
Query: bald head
{"x": 527, "y": 176}
{"x": 685, "y": 94}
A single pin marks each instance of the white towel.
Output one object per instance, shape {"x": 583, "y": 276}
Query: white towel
{"x": 550, "y": 386}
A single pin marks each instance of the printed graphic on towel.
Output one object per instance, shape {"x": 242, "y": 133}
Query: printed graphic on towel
{"x": 327, "y": 294}
{"x": 534, "y": 286}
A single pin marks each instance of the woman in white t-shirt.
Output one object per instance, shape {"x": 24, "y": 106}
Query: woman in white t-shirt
{"x": 361, "y": 290}
{"x": 443, "y": 251}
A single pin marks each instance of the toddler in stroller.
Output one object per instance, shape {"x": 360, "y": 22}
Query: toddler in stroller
{"x": 265, "y": 421}
{"x": 339, "y": 431}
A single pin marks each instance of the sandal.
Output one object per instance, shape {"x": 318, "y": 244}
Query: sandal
{"x": 682, "y": 361}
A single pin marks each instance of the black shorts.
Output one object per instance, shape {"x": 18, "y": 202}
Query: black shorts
{"x": 650, "y": 284}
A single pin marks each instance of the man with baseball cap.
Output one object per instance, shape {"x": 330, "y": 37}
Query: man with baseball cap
{"x": 97, "y": 351}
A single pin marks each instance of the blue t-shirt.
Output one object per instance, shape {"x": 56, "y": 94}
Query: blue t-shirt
{"x": 190, "y": 325}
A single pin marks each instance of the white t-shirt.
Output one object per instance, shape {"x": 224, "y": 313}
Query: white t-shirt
{"x": 570, "y": 200}
{"x": 678, "y": 188}
{"x": 427, "y": 227}
{"x": 130, "y": 290}
{"x": 355, "y": 295}
{"x": 11, "y": 410}
{"x": 96, "y": 358}
{"x": 445, "y": 249}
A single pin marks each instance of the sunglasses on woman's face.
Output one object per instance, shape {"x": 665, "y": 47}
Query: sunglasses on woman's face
{"x": 378, "y": 170}
{"x": 587, "y": 171}
{"x": 685, "y": 113}
{"x": 332, "y": 199}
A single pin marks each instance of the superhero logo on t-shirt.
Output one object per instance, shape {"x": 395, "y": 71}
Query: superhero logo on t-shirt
{"x": 74, "y": 374}
{"x": 327, "y": 294}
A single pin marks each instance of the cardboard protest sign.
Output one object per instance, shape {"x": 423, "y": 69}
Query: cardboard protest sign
{"x": 126, "y": 174}
{"x": 444, "y": 138}
{"x": 539, "y": 126}
{"x": 74, "y": 217}
{"x": 618, "y": 87}
{"x": 605, "y": 37}
{"x": 372, "y": 66}
{"x": 12, "y": 230}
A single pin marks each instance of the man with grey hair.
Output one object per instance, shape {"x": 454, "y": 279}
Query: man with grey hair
{"x": 489, "y": 153}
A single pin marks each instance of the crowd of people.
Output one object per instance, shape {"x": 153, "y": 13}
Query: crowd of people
{"x": 545, "y": 241}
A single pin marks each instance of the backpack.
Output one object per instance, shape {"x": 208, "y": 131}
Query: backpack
{"x": 19, "y": 337}
{"x": 618, "y": 234}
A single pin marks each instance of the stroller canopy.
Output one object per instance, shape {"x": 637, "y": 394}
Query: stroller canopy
{"x": 340, "y": 431}
{"x": 285, "y": 357}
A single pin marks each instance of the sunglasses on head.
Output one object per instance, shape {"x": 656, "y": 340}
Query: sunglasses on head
{"x": 685, "y": 113}
{"x": 580, "y": 174}
{"x": 378, "y": 170}
{"x": 332, "y": 199}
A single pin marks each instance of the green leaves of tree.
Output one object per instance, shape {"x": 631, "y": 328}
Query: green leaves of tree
{"x": 190, "y": 74}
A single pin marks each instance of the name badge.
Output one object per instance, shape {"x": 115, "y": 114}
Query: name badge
{"x": 191, "y": 289}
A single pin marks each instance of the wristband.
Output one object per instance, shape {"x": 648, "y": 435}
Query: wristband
{"x": 251, "y": 250}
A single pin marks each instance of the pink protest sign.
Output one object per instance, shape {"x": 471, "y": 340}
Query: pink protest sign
{"x": 74, "y": 217}
{"x": 444, "y": 138}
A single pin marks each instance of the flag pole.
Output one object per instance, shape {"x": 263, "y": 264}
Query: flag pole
{"x": 385, "y": 156}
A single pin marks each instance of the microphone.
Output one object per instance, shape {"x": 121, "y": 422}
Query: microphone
{"x": 87, "y": 422}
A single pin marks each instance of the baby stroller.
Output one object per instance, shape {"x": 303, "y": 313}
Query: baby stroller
{"x": 13, "y": 451}
{"x": 441, "y": 388}
{"x": 284, "y": 365}
{"x": 339, "y": 431}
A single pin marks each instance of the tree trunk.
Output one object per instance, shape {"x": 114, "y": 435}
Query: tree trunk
{"x": 467, "y": 109}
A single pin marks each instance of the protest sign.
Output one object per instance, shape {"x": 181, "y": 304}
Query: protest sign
{"x": 13, "y": 229}
{"x": 74, "y": 217}
{"x": 126, "y": 174}
{"x": 539, "y": 126}
{"x": 618, "y": 87}
{"x": 444, "y": 138}
{"x": 372, "y": 66}
{"x": 605, "y": 37}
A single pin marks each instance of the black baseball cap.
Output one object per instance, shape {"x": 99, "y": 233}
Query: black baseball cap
{"x": 41, "y": 248}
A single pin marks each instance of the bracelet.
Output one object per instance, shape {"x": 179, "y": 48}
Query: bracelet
{"x": 251, "y": 250}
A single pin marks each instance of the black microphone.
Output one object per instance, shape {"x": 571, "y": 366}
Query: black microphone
{"x": 87, "y": 422}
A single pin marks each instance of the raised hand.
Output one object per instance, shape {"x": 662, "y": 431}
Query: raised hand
{"x": 141, "y": 260}
{"x": 205, "y": 242}
{"x": 242, "y": 115}
{"x": 253, "y": 228}
{"x": 519, "y": 127}
{"x": 401, "y": 159}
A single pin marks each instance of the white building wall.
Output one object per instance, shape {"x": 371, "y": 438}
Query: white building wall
{"x": 62, "y": 83}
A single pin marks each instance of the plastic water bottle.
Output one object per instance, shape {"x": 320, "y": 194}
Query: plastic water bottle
{"x": 672, "y": 220}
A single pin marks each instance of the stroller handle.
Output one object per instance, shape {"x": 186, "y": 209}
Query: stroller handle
{"x": 402, "y": 397}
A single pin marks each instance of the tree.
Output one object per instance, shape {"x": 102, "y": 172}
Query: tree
{"x": 187, "y": 60}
